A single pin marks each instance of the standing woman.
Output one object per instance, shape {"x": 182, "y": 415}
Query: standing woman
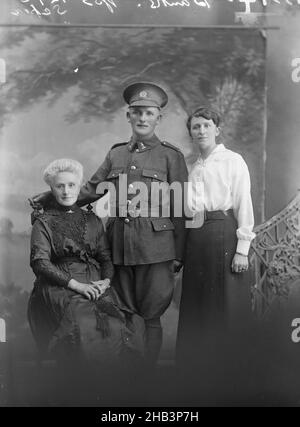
{"x": 215, "y": 295}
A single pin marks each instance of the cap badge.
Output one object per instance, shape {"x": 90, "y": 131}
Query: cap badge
{"x": 144, "y": 94}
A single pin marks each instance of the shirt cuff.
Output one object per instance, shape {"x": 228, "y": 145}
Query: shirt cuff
{"x": 243, "y": 247}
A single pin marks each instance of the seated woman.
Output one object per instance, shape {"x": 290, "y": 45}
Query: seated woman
{"x": 73, "y": 312}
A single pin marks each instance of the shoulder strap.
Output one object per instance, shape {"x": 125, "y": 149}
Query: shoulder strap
{"x": 119, "y": 145}
{"x": 167, "y": 144}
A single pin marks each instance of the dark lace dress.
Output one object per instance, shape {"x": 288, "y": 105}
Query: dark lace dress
{"x": 71, "y": 244}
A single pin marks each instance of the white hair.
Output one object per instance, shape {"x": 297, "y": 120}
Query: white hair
{"x": 63, "y": 165}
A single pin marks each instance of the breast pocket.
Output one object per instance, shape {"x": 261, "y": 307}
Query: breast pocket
{"x": 162, "y": 224}
{"x": 154, "y": 175}
{"x": 154, "y": 179}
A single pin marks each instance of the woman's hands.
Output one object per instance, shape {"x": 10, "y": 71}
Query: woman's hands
{"x": 102, "y": 285}
{"x": 90, "y": 291}
{"x": 240, "y": 263}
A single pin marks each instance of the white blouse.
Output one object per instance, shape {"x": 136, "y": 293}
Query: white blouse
{"x": 222, "y": 182}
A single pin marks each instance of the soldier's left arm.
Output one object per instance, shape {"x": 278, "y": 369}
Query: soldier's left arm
{"x": 177, "y": 177}
{"x": 88, "y": 192}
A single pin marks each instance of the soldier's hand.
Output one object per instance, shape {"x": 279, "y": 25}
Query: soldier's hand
{"x": 40, "y": 199}
{"x": 177, "y": 266}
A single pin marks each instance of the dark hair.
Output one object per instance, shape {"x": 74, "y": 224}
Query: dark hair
{"x": 205, "y": 112}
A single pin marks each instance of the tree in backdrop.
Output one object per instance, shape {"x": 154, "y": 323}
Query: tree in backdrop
{"x": 197, "y": 65}
{"x": 225, "y": 69}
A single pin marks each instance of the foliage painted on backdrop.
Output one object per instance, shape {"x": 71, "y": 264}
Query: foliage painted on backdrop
{"x": 226, "y": 72}
{"x": 196, "y": 66}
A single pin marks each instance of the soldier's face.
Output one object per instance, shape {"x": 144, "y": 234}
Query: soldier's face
{"x": 143, "y": 120}
{"x": 204, "y": 132}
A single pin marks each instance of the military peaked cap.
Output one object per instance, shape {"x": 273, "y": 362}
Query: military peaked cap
{"x": 145, "y": 94}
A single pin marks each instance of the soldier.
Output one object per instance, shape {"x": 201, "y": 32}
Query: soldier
{"x": 147, "y": 247}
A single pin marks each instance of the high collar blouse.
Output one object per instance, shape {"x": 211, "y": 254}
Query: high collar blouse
{"x": 222, "y": 182}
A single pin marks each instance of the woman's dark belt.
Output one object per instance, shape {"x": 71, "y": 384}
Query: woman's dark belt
{"x": 66, "y": 259}
{"x": 218, "y": 215}
{"x": 83, "y": 258}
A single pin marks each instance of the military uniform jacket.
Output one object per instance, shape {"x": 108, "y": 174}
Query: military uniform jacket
{"x": 150, "y": 231}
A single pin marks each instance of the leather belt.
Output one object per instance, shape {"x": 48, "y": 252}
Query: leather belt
{"x": 218, "y": 215}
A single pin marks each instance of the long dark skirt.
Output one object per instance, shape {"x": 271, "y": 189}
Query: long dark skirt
{"x": 98, "y": 346}
{"x": 67, "y": 326}
{"x": 215, "y": 302}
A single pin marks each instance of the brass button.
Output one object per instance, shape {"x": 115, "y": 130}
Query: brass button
{"x": 131, "y": 186}
{"x": 155, "y": 175}
{"x": 129, "y": 202}
{"x": 133, "y": 168}
{"x": 127, "y": 221}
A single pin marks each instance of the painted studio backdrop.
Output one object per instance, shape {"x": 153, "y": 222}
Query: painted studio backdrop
{"x": 63, "y": 98}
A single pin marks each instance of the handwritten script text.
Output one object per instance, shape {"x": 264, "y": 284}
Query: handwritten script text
{"x": 155, "y": 4}
{"x": 60, "y": 7}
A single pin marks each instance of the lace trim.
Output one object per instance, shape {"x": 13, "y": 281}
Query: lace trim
{"x": 64, "y": 226}
{"x": 46, "y": 269}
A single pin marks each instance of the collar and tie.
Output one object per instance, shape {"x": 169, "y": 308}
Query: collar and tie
{"x": 139, "y": 145}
